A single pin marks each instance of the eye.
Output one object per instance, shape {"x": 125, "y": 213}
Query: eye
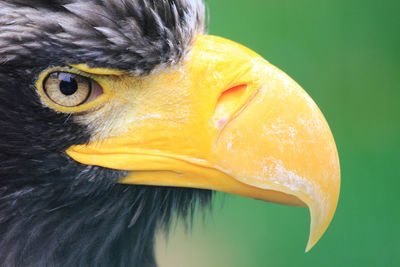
{"x": 70, "y": 90}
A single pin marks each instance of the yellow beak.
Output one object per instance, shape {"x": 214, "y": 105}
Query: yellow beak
{"x": 225, "y": 120}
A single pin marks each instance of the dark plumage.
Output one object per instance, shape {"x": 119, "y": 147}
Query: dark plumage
{"x": 134, "y": 35}
{"x": 53, "y": 210}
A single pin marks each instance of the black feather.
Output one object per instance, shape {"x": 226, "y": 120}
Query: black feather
{"x": 53, "y": 210}
{"x": 136, "y": 35}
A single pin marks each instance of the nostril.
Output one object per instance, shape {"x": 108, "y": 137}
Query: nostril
{"x": 229, "y": 102}
{"x": 231, "y": 93}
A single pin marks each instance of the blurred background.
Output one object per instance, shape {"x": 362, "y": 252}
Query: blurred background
{"x": 345, "y": 54}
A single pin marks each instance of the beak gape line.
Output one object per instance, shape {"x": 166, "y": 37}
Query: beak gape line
{"x": 227, "y": 120}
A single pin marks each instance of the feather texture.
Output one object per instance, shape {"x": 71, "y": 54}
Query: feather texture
{"x": 136, "y": 35}
{"x": 53, "y": 210}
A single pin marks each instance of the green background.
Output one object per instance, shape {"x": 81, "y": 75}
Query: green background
{"x": 345, "y": 54}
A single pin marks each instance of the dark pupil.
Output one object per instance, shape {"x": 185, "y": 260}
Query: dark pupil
{"x": 68, "y": 86}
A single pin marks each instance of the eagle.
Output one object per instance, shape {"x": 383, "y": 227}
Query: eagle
{"x": 116, "y": 116}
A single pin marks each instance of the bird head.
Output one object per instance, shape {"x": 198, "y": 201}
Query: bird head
{"x": 117, "y": 114}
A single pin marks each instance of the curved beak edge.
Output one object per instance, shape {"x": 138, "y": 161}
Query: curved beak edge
{"x": 250, "y": 130}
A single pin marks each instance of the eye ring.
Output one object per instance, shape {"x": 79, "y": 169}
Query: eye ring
{"x": 70, "y": 90}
